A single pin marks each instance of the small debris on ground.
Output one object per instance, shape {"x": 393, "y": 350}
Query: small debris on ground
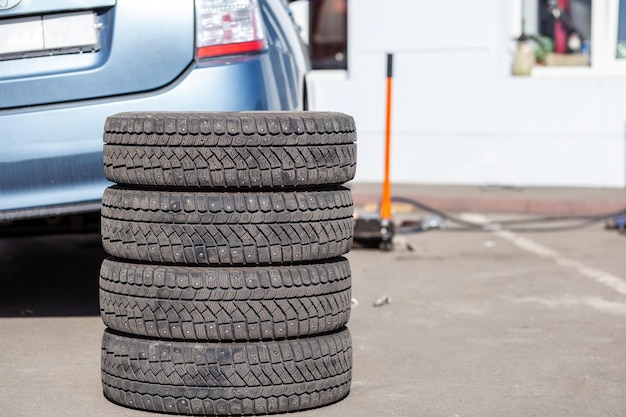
{"x": 381, "y": 301}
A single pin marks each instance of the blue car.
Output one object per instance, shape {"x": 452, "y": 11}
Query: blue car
{"x": 65, "y": 65}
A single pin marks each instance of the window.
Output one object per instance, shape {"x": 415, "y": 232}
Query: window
{"x": 581, "y": 37}
{"x": 328, "y": 34}
{"x": 564, "y": 32}
{"x": 620, "y": 52}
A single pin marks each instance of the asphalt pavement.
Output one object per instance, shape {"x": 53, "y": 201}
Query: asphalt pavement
{"x": 478, "y": 324}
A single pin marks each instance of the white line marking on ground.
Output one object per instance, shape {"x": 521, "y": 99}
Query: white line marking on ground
{"x": 609, "y": 280}
{"x": 569, "y": 301}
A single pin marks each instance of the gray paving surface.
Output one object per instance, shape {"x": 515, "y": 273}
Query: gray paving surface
{"x": 480, "y": 324}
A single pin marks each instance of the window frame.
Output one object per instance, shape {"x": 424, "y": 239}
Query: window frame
{"x": 604, "y": 26}
{"x": 612, "y": 22}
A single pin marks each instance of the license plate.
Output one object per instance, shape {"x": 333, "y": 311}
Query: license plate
{"x": 48, "y": 35}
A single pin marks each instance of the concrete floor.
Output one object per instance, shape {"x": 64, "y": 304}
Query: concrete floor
{"x": 480, "y": 324}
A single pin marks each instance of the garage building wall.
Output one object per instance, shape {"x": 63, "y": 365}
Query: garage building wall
{"x": 459, "y": 116}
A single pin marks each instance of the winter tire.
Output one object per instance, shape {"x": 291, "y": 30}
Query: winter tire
{"x": 226, "y": 379}
{"x": 225, "y": 304}
{"x": 261, "y": 228}
{"x": 230, "y": 150}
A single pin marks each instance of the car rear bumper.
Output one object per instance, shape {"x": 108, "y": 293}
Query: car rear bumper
{"x": 51, "y": 156}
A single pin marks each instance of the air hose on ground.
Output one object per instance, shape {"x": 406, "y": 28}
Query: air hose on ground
{"x": 580, "y": 221}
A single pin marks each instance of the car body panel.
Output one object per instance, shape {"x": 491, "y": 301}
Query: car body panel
{"x": 51, "y": 155}
{"x": 130, "y": 58}
{"x": 37, "y": 6}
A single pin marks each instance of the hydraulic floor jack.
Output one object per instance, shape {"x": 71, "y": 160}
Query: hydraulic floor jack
{"x": 377, "y": 230}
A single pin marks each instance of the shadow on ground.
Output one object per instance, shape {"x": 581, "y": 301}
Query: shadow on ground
{"x": 50, "y": 276}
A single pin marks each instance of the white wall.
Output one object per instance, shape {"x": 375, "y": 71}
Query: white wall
{"x": 459, "y": 117}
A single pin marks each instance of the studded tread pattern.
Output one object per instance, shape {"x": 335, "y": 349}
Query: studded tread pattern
{"x": 225, "y": 304}
{"x": 230, "y": 167}
{"x": 230, "y": 150}
{"x": 227, "y": 228}
{"x": 226, "y": 292}
{"x": 226, "y": 379}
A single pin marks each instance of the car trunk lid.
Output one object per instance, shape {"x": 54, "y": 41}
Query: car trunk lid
{"x": 69, "y": 50}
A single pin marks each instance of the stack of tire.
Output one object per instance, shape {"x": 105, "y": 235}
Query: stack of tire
{"x": 226, "y": 292}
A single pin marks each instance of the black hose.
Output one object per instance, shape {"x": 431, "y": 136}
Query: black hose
{"x": 584, "y": 220}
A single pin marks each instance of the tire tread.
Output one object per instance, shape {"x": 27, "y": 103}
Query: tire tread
{"x": 225, "y": 304}
{"x": 226, "y": 379}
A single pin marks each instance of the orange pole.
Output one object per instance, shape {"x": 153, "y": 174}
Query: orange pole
{"x": 385, "y": 205}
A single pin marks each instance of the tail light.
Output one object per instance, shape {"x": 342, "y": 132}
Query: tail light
{"x": 226, "y": 27}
